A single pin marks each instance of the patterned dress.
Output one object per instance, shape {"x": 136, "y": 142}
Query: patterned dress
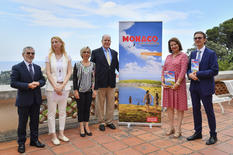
{"x": 176, "y": 99}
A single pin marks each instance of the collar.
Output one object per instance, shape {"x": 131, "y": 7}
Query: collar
{"x": 105, "y": 49}
{"x": 202, "y": 49}
{"x": 26, "y": 63}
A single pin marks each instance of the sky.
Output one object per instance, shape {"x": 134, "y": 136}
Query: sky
{"x": 83, "y": 22}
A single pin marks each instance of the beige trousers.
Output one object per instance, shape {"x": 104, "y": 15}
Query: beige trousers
{"x": 105, "y": 95}
{"x": 53, "y": 100}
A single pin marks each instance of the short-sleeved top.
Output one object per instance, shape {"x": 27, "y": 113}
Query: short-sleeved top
{"x": 176, "y": 99}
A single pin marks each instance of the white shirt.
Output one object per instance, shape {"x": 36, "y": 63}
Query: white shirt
{"x": 60, "y": 72}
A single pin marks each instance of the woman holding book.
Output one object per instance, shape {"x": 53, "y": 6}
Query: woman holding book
{"x": 175, "y": 95}
{"x": 83, "y": 83}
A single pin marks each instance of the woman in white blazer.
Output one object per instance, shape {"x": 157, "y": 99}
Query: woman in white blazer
{"x": 58, "y": 70}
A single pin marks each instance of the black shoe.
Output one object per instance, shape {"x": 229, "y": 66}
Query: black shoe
{"x": 111, "y": 126}
{"x": 87, "y": 133}
{"x": 102, "y": 127}
{"x": 82, "y": 134}
{"x": 195, "y": 136}
{"x": 211, "y": 140}
{"x": 21, "y": 148}
{"x": 37, "y": 144}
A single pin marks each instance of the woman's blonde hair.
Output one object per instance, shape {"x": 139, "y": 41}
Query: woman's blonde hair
{"x": 63, "y": 51}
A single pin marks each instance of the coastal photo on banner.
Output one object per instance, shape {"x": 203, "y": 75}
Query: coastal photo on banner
{"x": 140, "y": 57}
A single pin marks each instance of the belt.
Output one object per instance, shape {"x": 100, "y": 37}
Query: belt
{"x": 60, "y": 82}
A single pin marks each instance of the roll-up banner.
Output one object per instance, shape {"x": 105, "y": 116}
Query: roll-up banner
{"x": 140, "y": 57}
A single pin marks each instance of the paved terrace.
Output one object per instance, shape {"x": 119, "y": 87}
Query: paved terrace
{"x": 138, "y": 140}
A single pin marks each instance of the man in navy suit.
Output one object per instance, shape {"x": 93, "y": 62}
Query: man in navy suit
{"x": 202, "y": 87}
{"x": 28, "y": 79}
{"x": 105, "y": 81}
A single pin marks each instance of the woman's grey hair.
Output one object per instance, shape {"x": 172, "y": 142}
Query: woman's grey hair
{"x": 27, "y": 48}
{"x": 86, "y": 48}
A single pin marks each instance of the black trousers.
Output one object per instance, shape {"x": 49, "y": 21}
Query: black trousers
{"x": 208, "y": 105}
{"x": 83, "y": 105}
{"x": 32, "y": 112}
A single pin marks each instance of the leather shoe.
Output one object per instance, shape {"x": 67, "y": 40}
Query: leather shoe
{"x": 82, "y": 134}
{"x": 87, "y": 133}
{"x": 37, "y": 144}
{"x": 170, "y": 131}
{"x": 63, "y": 138}
{"x": 195, "y": 136}
{"x": 21, "y": 148}
{"x": 111, "y": 126}
{"x": 102, "y": 127}
{"x": 211, "y": 140}
{"x": 56, "y": 141}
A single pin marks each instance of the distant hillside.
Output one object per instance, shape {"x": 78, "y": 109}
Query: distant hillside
{"x": 5, "y": 77}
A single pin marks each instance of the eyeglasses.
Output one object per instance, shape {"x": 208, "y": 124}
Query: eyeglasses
{"x": 32, "y": 53}
{"x": 85, "y": 52}
{"x": 199, "y": 38}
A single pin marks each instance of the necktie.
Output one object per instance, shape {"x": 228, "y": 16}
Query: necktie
{"x": 31, "y": 71}
{"x": 108, "y": 58}
{"x": 199, "y": 56}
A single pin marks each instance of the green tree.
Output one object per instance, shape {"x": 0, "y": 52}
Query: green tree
{"x": 220, "y": 39}
{"x": 223, "y": 34}
{"x": 218, "y": 48}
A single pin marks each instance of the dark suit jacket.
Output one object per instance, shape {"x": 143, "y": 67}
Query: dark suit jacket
{"x": 105, "y": 75}
{"x": 208, "y": 68}
{"x": 20, "y": 78}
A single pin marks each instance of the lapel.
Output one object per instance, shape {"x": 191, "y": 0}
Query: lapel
{"x": 195, "y": 54}
{"x": 35, "y": 71}
{"x": 112, "y": 53}
{"x": 26, "y": 71}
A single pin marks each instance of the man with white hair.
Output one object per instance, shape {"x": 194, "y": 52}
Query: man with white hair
{"x": 105, "y": 81}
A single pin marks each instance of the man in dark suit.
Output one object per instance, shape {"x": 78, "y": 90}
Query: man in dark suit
{"x": 105, "y": 81}
{"x": 28, "y": 79}
{"x": 202, "y": 87}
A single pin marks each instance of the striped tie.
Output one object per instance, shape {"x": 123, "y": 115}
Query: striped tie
{"x": 199, "y": 56}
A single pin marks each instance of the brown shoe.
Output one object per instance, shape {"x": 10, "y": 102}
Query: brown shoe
{"x": 170, "y": 131}
{"x": 177, "y": 134}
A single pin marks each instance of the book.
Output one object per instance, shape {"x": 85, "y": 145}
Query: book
{"x": 194, "y": 65}
{"x": 169, "y": 77}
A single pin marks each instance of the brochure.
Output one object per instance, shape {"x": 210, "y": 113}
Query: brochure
{"x": 169, "y": 77}
{"x": 194, "y": 65}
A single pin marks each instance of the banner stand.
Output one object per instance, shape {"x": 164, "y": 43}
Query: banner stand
{"x": 128, "y": 124}
{"x": 140, "y": 66}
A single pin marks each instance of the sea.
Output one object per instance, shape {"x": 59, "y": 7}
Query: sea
{"x": 136, "y": 94}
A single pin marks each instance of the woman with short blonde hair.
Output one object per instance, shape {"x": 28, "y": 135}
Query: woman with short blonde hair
{"x": 83, "y": 83}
